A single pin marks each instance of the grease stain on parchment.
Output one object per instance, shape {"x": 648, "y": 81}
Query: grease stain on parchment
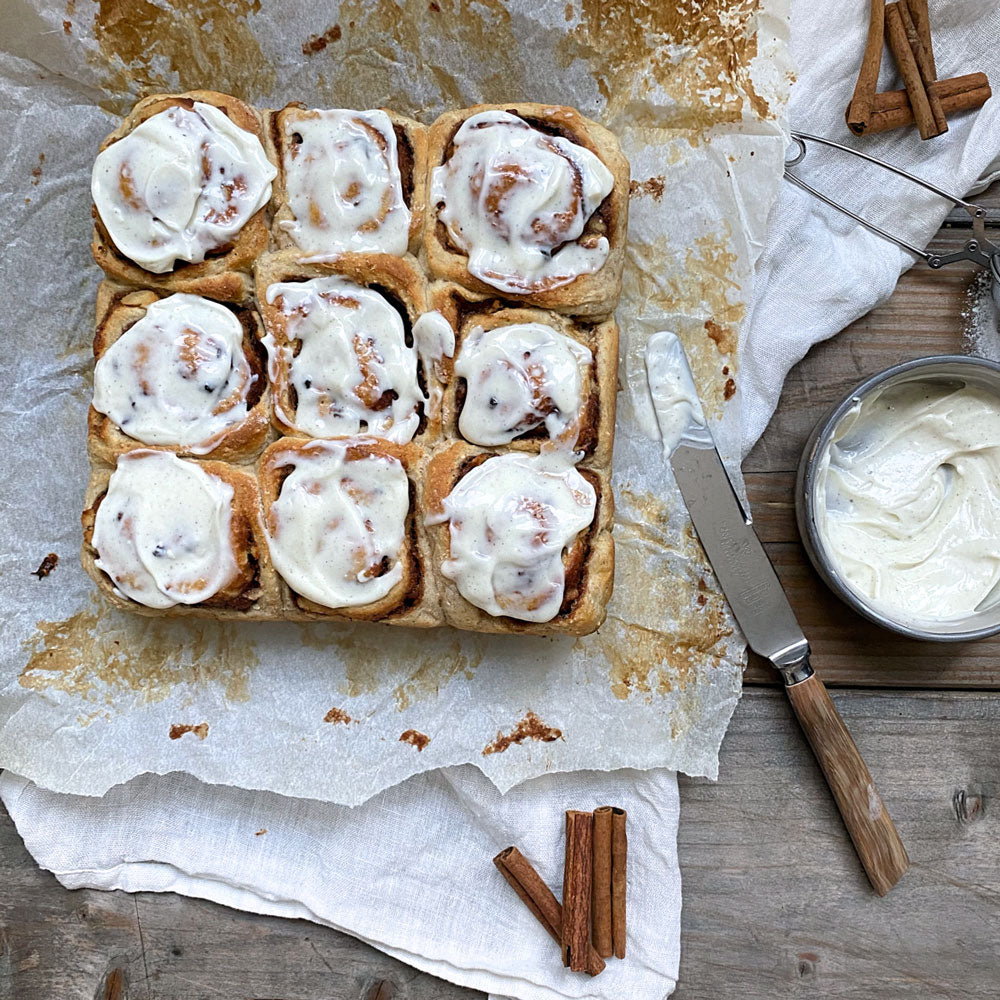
{"x": 697, "y": 52}
{"x": 435, "y": 672}
{"x": 641, "y": 659}
{"x": 703, "y": 297}
{"x": 100, "y": 653}
{"x": 148, "y": 47}
{"x": 530, "y": 727}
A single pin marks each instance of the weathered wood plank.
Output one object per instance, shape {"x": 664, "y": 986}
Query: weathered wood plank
{"x": 775, "y": 903}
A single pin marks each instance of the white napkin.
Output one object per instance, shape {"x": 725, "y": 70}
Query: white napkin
{"x": 820, "y": 271}
{"x": 410, "y": 871}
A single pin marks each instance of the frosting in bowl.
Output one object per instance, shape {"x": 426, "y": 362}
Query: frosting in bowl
{"x": 908, "y": 500}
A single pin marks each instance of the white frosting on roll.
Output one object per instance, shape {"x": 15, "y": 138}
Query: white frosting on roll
{"x": 343, "y": 183}
{"x": 177, "y": 376}
{"x": 336, "y": 530}
{"x": 516, "y": 200}
{"x": 353, "y": 370}
{"x": 518, "y": 377}
{"x": 162, "y": 531}
{"x": 510, "y": 520}
{"x": 179, "y": 185}
{"x": 434, "y": 340}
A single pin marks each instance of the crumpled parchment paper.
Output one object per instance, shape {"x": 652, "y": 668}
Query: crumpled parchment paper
{"x": 90, "y": 696}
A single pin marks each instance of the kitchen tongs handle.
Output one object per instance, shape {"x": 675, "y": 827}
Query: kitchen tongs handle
{"x": 875, "y": 837}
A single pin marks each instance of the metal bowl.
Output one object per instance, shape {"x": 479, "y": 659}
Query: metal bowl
{"x": 956, "y": 368}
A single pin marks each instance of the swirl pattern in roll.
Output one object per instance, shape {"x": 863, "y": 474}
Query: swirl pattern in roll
{"x": 163, "y": 530}
{"x": 345, "y": 354}
{"x": 517, "y": 201}
{"x": 343, "y": 183}
{"x": 178, "y": 376}
{"x": 336, "y": 530}
{"x": 179, "y": 185}
{"x": 519, "y": 377}
{"x": 510, "y": 520}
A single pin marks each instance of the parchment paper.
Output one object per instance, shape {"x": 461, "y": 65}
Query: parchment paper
{"x": 90, "y": 696}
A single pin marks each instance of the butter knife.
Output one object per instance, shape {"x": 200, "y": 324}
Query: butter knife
{"x": 760, "y": 606}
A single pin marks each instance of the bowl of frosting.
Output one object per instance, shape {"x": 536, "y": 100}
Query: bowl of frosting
{"x": 898, "y": 498}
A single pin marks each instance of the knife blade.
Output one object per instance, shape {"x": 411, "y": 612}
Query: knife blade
{"x": 761, "y": 608}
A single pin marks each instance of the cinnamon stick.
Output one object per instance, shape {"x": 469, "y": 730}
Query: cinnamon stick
{"x": 577, "y": 877}
{"x": 860, "y": 109}
{"x": 539, "y": 899}
{"x": 891, "y": 109}
{"x": 900, "y": 46}
{"x": 921, "y": 18}
{"x": 619, "y": 879}
{"x": 600, "y": 901}
{"x": 925, "y": 66}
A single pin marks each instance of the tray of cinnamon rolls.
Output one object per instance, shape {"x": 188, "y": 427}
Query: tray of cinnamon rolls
{"x": 349, "y": 366}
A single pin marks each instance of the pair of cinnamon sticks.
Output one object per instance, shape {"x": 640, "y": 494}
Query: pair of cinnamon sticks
{"x": 589, "y": 926}
{"x": 926, "y": 100}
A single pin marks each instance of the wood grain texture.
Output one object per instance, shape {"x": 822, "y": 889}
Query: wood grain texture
{"x": 867, "y": 820}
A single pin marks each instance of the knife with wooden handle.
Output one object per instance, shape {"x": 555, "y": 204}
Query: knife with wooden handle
{"x": 766, "y": 618}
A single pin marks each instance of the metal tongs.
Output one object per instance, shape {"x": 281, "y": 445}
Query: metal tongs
{"x": 979, "y": 249}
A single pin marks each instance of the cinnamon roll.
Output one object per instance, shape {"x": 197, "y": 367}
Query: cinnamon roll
{"x": 529, "y": 200}
{"x": 348, "y": 180}
{"x": 341, "y": 531}
{"x": 524, "y": 541}
{"x": 524, "y": 377}
{"x": 340, "y": 344}
{"x": 180, "y": 371}
{"x": 179, "y": 195}
{"x": 162, "y": 532}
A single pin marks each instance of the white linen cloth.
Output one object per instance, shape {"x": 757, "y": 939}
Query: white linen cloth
{"x": 410, "y": 871}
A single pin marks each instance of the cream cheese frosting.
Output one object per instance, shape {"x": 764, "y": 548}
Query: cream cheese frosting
{"x": 908, "y": 500}
{"x": 179, "y": 185}
{"x": 510, "y": 519}
{"x": 519, "y": 377}
{"x": 352, "y": 370}
{"x": 516, "y": 200}
{"x": 177, "y": 376}
{"x": 434, "y": 340}
{"x": 337, "y": 528}
{"x": 162, "y": 531}
{"x": 343, "y": 183}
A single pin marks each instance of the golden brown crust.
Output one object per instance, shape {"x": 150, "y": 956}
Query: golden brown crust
{"x": 412, "y": 601}
{"x": 411, "y": 142}
{"x": 589, "y": 562}
{"x": 245, "y": 595}
{"x": 222, "y": 275}
{"x": 466, "y": 310}
{"x": 118, "y": 309}
{"x": 592, "y": 295}
{"x": 397, "y": 279}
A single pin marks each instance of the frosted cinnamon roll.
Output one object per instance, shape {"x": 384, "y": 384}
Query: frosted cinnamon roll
{"x": 178, "y": 375}
{"x": 180, "y": 185}
{"x": 165, "y": 529}
{"x": 514, "y": 523}
{"x": 519, "y": 377}
{"x": 337, "y": 514}
{"x": 516, "y": 200}
{"x": 341, "y": 353}
{"x": 347, "y": 180}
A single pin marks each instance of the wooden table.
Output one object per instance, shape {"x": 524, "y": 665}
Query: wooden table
{"x": 775, "y": 902}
